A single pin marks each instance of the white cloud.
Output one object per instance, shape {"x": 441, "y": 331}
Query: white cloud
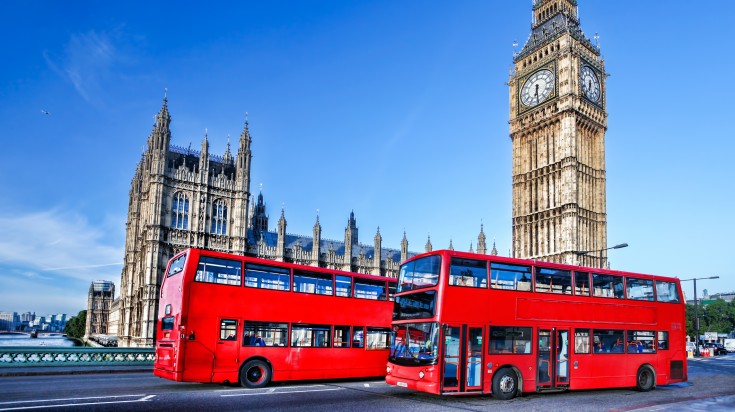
{"x": 88, "y": 61}
{"x": 60, "y": 243}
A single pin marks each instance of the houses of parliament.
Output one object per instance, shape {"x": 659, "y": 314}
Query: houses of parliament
{"x": 181, "y": 198}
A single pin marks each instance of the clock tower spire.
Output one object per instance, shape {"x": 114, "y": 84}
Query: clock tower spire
{"x": 558, "y": 121}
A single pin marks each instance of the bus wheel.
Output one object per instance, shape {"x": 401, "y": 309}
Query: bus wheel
{"x": 255, "y": 374}
{"x": 646, "y": 379}
{"x": 505, "y": 384}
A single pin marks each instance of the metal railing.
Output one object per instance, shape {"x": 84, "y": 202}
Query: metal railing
{"x": 20, "y": 356}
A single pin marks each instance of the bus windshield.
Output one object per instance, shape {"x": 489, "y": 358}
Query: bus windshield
{"x": 419, "y": 273}
{"x": 414, "y": 344}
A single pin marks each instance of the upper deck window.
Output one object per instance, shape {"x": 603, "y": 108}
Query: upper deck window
{"x": 309, "y": 282}
{"x": 553, "y": 281}
{"x": 267, "y": 277}
{"x": 370, "y": 289}
{"x": 607, "y": 286}
{"x": 667, "y": 292}
{"x": 639, "y": 289}
{"x": 176, "y": 266}
{"x": 419, "y": 273}
{"x": 215, "y": 270}
{"x": 512, "y": 277}
{"x": 468, "y": 272}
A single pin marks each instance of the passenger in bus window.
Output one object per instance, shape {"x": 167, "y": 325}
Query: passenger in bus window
{"x": 599, "y": 345}
{"x": 231, "y": 336}
{"x": 617, "y": 346}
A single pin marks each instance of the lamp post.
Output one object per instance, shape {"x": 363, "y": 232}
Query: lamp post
{"x": 696, "y": 311}
{"x": 584, "y": 252}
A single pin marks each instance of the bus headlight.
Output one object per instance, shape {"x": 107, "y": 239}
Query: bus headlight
{"x": 421, "y": 375}
{"x": 387, "y": 370}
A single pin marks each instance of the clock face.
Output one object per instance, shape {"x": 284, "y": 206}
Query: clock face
{"x": 590, "y": 83}
{"x": 537, "y": 88}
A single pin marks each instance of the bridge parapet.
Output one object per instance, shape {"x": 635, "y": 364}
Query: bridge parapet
{"x": 15, "y": 356}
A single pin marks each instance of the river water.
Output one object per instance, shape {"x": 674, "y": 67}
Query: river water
{"x": 41, "y": 340}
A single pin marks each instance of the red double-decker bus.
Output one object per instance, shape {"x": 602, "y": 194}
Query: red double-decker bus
{"x": 228, "y": 318}
{"x": 465, "y": 323}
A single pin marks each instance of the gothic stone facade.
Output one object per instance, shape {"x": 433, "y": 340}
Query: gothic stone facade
{"x": 99, "y": 304}
{"x": 180, "y": 198}
{"x": 558, "y": 121}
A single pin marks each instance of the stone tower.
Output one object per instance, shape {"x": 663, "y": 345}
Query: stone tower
{"x": 99, "y": 301}
{"x": 558, "y": 121}
{"x": 179, "y": 198}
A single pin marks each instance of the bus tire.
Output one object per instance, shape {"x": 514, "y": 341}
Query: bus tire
{"x": 255, "y": 374}
{"x": 505, "y": 384}
{"x": 645, "y": 379}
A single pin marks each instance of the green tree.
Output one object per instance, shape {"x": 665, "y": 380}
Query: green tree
{"x": 717, "y": 317}
{"x": 76, "y": 326}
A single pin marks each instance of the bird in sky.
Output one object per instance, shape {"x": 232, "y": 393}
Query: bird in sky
{"x": 44, "y": 112}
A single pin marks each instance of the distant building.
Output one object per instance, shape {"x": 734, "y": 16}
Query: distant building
{"x": 99, "y": 301}
{"x": 9, "y": 321}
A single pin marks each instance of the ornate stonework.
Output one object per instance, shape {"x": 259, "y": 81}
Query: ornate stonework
{"x": 181, "y": 198}
{"x": 557, "y": 128}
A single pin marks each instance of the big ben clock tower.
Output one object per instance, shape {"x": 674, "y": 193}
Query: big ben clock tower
{"x": 557, "y": 128}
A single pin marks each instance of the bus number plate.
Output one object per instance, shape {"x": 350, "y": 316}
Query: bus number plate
{"x": 402, "y": 384}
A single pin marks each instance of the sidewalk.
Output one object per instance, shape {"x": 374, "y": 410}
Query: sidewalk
{"x": 70, "y": 370}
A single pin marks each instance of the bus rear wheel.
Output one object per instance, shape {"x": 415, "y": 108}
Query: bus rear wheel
{"x": 645, "y": 379}
{"x": 255, "y": 374}
{"x": 505, "y": 384}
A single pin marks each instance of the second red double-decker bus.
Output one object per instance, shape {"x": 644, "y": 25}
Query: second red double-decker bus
{"x": 228, "y": 318}
{"x": 465, "y": 323}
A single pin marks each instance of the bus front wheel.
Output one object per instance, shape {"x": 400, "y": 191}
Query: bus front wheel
{"x": 645, "y": 379}
{"x": 505, "y": 384}
{"x": 255, "y": 374}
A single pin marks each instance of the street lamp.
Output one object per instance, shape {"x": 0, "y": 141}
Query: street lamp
{"x": 584, "y": 252}
{"x": 696, "y": 312}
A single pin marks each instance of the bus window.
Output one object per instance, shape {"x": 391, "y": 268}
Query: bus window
{"x": 167, "y": 323}
{"x": 507, "y": 339}
{"x": 415, "y": 306}
{"x": 378, "y": 338}
{"x": 228, "y": 329}
{"x": 310, "y": 336}
{"x": 513, "y": 277}
{"x": 666, "y": 292}
{"x": 641, "y": 341}
{"x": 214, "y": 270}
{"x": 309, "y": 282}
{"x": 607, "y": 286}
{"x": 358, "y": 337}
{"x": 341, "y": 336}
{"x": 581, "y": 341}
{"x": 176, "y": 266}
{"x": 343, "y": 285}
{"x": 663, "y": 340}
{"x": 582, "y": 283}
{"x": 609, "y": 341}
{"x": 639, "y": 289}
{"x": 370, "y": 289}
{"x": 419, "y": 273}
{"x": 553, "y": 281}
{"x": 265, "y": 334}
{"x": 468, "y": 272}
{"x": 267, "y": 277}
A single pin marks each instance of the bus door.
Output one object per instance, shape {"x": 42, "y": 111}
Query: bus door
{"x": 227, "y": 347}
{"x": 462, "y": 358}
{"x": 553, "y": 359}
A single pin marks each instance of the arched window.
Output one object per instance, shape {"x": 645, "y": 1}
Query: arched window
{"x": 219, "y": 217}
{"x": 180, "y": 211}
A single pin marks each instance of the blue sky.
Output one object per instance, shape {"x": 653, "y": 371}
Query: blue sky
{"x": 395, "y": 109}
